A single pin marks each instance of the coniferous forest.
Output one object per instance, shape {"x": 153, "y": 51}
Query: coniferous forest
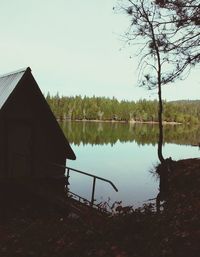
{"x": 106, "y": 109}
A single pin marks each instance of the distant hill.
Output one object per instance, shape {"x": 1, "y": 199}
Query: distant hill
{"x": 185, "y": 102}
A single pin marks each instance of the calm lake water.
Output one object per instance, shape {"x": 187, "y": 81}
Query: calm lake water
{"x": 125, "y": 154}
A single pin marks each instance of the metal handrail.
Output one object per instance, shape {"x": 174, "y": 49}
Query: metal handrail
{"x": 87, "y": 174}
{"x": 94, "y": 176}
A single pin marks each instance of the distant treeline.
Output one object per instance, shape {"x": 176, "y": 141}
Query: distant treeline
{"x": 106, "y": 109}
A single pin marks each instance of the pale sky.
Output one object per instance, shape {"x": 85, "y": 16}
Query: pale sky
{"x": 73, "y": 47}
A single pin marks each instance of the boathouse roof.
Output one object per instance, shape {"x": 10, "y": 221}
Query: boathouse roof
{"x": 8, "y": 86}
{"x": 8, "y": 83}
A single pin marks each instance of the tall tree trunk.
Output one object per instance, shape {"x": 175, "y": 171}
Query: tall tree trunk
{"x": 160, "y": 108}
{"x": 160, "y": 112}
{"x": 160, "y": 105}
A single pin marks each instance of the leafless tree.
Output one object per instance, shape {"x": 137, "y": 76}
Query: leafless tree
{"x": 168, "y": 40}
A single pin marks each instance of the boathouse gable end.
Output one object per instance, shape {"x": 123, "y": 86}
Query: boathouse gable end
{"x": 31, "y": 139}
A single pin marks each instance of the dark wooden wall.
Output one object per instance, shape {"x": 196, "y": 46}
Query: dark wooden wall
{"x": 29, "y": 138}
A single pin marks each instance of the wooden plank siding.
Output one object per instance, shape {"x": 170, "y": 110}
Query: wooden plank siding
{"x": 30, "y": 137}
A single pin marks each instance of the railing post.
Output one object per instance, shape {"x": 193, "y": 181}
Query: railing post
{"x": 67, "y": 178}
{"x": 93, "y": 191}
{"x": 68, "y": 173}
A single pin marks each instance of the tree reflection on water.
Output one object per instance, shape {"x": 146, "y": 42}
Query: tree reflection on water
{"x": 100, "y": 133}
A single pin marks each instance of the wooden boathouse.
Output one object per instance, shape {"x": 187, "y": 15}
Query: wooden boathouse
{"x": 31, "y": 139}
{"x": 33, "y": 148}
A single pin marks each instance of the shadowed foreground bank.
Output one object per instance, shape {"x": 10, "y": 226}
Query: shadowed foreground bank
{"x": 30, "y": 226}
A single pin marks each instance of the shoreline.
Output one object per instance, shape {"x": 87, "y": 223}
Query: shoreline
{"x": 123, "y": 121}
{"x": 33, "y": 225}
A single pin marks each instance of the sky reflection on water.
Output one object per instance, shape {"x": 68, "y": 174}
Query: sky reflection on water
{"x": 127, "y": 165}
